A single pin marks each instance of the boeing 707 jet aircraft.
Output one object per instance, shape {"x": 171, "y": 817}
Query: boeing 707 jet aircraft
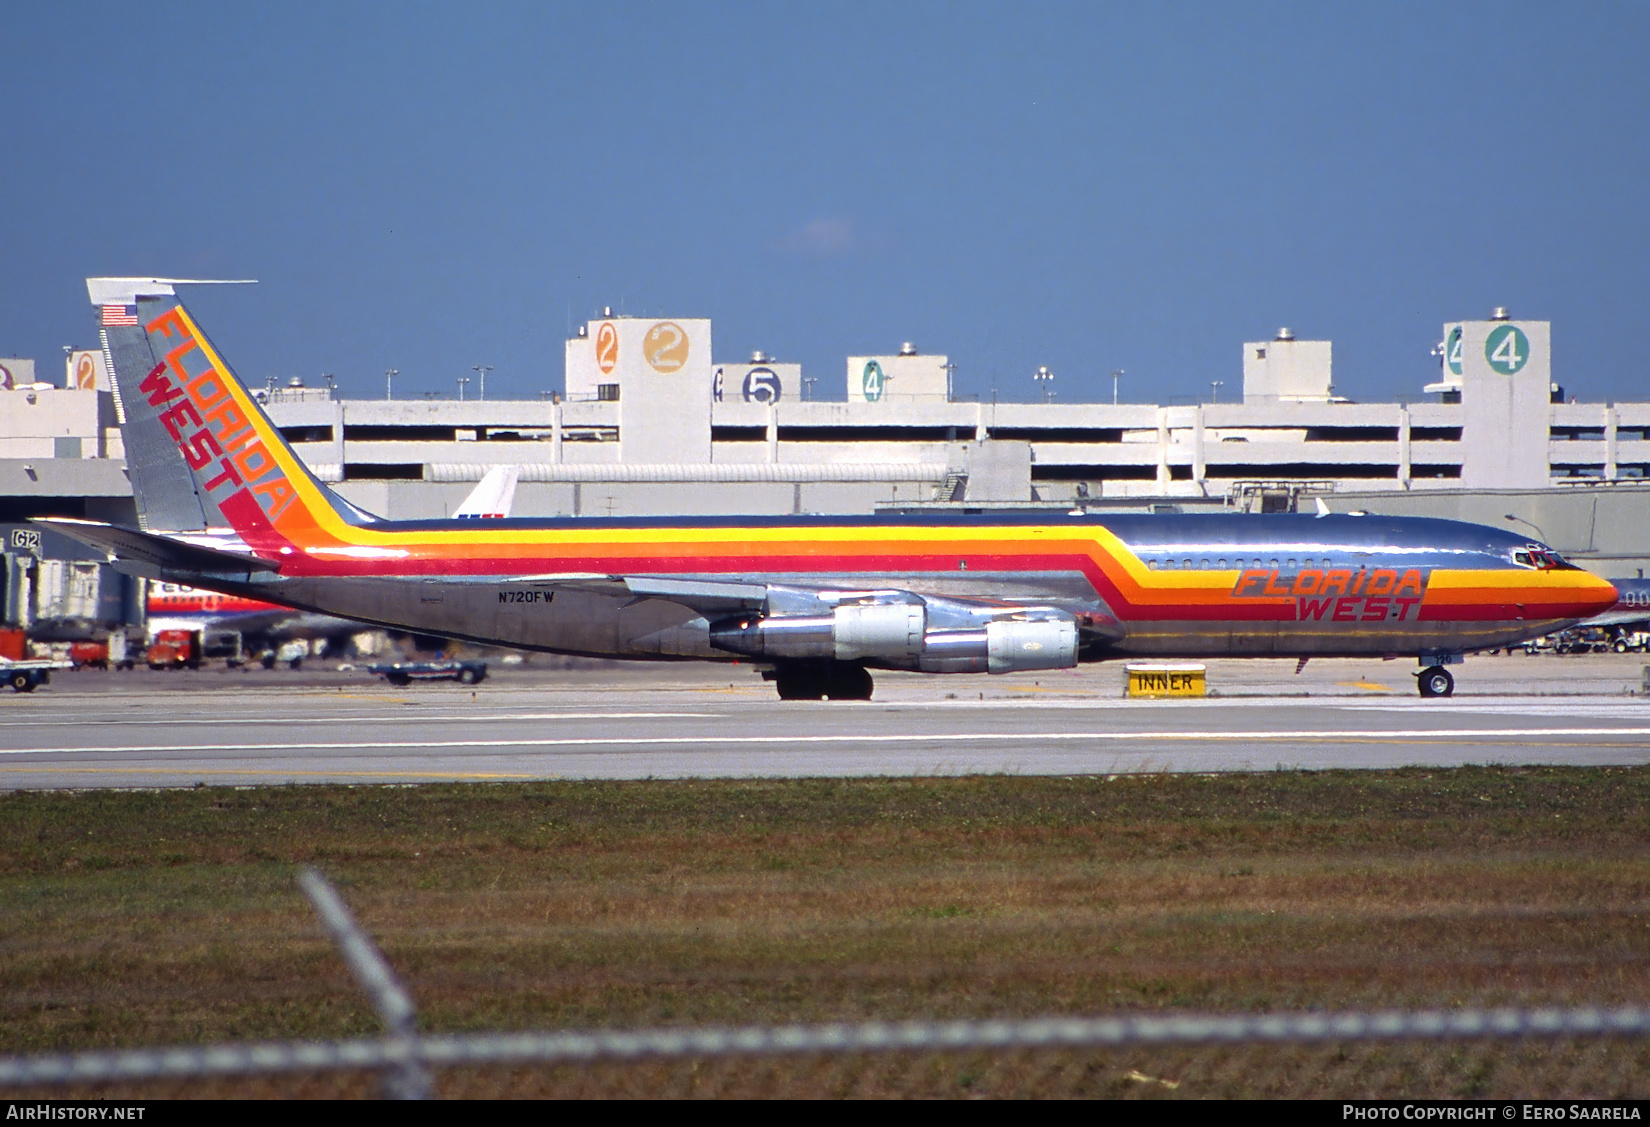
{"x": 226, "y": 505}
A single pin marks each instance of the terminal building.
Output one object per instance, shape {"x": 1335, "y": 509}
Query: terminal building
{"x": 645, "y": 408}
{"x": 648, "y": 423}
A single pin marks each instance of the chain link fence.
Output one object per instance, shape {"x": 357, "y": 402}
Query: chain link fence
{"x": 1578, "y": 1053}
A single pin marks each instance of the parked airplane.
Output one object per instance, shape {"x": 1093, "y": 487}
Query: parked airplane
{"x": 178, "y": 606}
{"x": 226, "y": 505}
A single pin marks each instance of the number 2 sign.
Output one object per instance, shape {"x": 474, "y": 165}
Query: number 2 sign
{"x": 607, "y": 348}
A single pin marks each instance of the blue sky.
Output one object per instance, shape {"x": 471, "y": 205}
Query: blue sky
{"x": 1086, "y": 186}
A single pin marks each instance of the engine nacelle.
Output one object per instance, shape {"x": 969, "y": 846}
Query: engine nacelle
{"x": 1002, "y": 647}
{"x": 1015, "y": 646}
{"x": 885, "y": 632}
{"x": 895, "y": 634}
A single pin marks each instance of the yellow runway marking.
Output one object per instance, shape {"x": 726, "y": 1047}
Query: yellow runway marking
{"x": 1372, "y": 686}
{"x": 1041, "y": 689}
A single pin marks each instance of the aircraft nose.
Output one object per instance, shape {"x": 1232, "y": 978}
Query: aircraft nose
{"x": 1602, "y": 595}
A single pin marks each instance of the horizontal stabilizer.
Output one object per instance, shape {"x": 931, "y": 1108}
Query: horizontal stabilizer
{"x": 126, "y": 291}
{"x": 148, "y": 548}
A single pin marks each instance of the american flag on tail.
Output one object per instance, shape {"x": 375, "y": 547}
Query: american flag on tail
{"x": 119, "y": 315}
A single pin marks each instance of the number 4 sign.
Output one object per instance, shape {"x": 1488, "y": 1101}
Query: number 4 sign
{"x": 1507, "y": 349}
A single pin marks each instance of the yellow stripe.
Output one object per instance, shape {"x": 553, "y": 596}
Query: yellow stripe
{"x": 272, "y": 440}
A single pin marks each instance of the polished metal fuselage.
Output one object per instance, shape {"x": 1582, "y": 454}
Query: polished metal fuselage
{"x": 1241, "y": 579}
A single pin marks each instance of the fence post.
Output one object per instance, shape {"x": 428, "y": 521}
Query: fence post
{"x": 405, "y": 1078}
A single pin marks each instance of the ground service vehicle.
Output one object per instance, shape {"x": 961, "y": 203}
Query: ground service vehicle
{"x": 406, "y": 672}
{"x": 89, "y": 655}
{"x": 28, "y": 674}
{"x": 821, "y": 600}
{"x": 174, "y": 649}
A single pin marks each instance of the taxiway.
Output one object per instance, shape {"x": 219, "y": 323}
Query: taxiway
{"x": 168, "y": 730}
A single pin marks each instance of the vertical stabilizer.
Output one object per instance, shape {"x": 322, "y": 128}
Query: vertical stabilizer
{"x": 200, "y": 450}
{"x": 493, "y": 496}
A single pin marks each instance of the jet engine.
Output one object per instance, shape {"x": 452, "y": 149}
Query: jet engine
{"x": 1002, "y": 647}
{"x": 896, "y": 635}
{"x": 887, "y": 632}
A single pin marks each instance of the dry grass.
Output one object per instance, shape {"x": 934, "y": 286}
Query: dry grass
{"x": 141, "y": 918}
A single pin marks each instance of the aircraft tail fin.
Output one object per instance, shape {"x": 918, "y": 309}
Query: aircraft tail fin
{"x": 200, "y": 450}
{"x": 493, "y": 496}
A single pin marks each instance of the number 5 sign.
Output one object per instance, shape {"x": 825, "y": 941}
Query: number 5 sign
{"x": 1507, "y": 349}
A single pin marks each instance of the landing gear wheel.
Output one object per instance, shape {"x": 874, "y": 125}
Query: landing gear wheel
{"x": 799, "y": 684}
{"x": 849, "y": 682}
{"x": 823, "y": 681}
{"x": 1435, "y": 682}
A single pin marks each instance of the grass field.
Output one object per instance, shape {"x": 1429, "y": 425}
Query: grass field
{"x": 152, "y": 918}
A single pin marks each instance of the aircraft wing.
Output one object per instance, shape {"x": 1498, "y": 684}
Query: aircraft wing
{"x": 146, "y": 548}
{"x": 717, "y": 599}
{"x": 705, "y": 596}
{"x": 1618, "y": 618}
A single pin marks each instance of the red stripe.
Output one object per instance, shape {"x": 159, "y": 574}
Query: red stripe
{"x": 244, "y": 515}
{"x": 1245, "y": 610}
{"x": 1209, "y": 605}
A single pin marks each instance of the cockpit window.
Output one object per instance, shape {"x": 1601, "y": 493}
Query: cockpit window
{"x": 1539, "y": 558}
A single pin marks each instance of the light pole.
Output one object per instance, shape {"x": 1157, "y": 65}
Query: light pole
{"x": 1044, "y": 379}
{"x": 1117, "y": 374}
{"x": 481, "y": 370}
{"x": 332, "y": 384}
{"x": 808, "y": 386}
{"x": 1214, "y": 389}
{"x": 389, "y": 375}
{"x": 462, "y": 380}
{"x": 1532, "y": 524}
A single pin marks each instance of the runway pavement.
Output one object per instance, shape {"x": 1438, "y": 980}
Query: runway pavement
{"x": 217, "y": 728}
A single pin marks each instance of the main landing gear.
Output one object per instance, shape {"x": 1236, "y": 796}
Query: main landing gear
{"x": 1435, "y": 681}
{"x": 834, "y": 680}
